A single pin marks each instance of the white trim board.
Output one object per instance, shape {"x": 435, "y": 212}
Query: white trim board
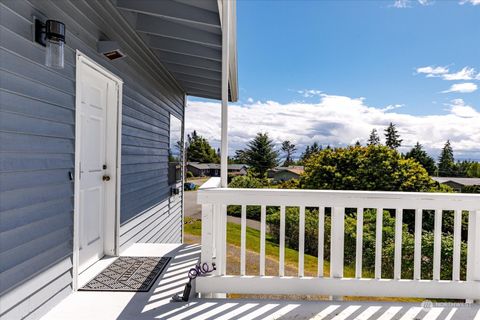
{"x": 112, "y": 242}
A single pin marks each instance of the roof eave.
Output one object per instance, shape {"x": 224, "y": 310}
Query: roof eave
{"x": 233, "y": 65}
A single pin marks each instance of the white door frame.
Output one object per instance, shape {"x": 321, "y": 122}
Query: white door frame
{"x": 112, "y": 225}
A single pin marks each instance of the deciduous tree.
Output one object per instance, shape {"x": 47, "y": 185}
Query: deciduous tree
{"x": 364, "y": 168}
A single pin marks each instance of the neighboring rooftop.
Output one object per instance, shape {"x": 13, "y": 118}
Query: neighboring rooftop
{"x": 462, "y": 181}
{"x": 294, "y": 169}
{"x": 204, "y": 166}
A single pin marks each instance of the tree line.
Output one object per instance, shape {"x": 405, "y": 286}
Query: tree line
{"x": 262, "y": 154}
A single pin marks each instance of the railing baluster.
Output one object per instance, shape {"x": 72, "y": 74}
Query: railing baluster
{"x": 224, "y": 239}
{"x": 473, "y": 249}
{"x": 219, "y": 244}
{"x": 417, "y": 257}
{"x": 437, "y": 244}
{"x": 262, "y": 239}
{"x": 281, "y": 262}
{"x": 378, "y": 243}
{"x": 301, "y": 241}
{"x": 397, "y": 272}
{"x": 243, "y": 239}
{"x": 476, "y": 243}
{"x": 321, "y": 237}
{"x": 337, "y": 242}
{"x": 359, "y": 251}
{"x": 457, "y": 235}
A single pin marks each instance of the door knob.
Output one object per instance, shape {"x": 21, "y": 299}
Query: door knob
{"x": 106, "y": 178}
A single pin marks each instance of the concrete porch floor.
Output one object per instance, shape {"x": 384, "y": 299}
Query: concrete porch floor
{"x": 157, "y": 304}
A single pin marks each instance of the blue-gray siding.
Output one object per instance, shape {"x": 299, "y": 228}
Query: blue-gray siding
{"x": 37, "y": 143}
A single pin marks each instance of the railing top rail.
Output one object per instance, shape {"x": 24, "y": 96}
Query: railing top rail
{"x": 213, "y": 182}
{"x": 343, "y": 198}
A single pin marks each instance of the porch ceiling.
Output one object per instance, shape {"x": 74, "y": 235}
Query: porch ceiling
{"x": 186, "y": 36}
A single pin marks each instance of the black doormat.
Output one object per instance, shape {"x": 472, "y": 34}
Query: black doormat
{"x": 128, "y": 274}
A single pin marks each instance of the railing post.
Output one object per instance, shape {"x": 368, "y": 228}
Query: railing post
{"x": 337, "y": 244}
{"x": 213, "y": 236}
{"x": 208, "y": 251}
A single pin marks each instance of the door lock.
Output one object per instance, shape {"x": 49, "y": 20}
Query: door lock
{"x": 106, "y": 178}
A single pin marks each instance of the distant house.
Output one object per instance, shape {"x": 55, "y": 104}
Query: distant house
{"x": 213, "y": 169}
{"x": 457, "y": 183}
{"x": 285, "y": 173}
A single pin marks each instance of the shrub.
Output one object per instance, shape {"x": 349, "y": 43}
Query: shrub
{"x": 247, "y": 181}
{"x": 369, "y": 231}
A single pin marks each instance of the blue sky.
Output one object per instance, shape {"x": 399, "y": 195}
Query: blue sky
{"x": 355, "y": 48}
{"x": 402, "y": 58}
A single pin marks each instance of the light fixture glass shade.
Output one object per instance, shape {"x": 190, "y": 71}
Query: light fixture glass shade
{"x": 54, "y": 56}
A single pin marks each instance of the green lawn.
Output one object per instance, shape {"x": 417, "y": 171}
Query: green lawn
{"x": 271, "y": 248}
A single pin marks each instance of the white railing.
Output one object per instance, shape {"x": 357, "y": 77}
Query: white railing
{"x": 214, "y": 201}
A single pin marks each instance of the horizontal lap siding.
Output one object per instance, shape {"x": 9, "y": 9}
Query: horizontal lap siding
{"x": 37, "y": 143}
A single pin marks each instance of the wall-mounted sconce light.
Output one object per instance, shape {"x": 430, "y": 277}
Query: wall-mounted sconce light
{"x": 51, "y": 35}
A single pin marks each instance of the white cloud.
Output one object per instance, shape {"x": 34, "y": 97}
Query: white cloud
{"x": 392, "y": 107}
{"x": 337, "y": 120}
{"x": 466, "y": 87}
{"x": 464, "y": 74}
{"x": 459, "y": 108}
{"x": 467, "y": 73}
{"x": 401, "y": 4}
{"x": 425, "y": 2}
{"x": 308, "y": 93}
{"x": 472, "y": 2}
{"x": 250, "y": 100}
{"x": 432, "y": 71}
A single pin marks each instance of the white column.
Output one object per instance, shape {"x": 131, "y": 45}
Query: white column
{"x": 225, "y": 73}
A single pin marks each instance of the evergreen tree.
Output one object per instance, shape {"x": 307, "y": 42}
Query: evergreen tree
{"x": 260, "y": 154}
{"x": 240, "y": 157}
{"x": 446, "y": 162}
{"x": 309, "y": 150}
{"x": 418, "y": 154}
{"x": 358, "y": 144}
{"x": 374, "y": 139}
{"x": 198, "y": 149}
{"x": 392, "y": 138}
{"x": 289, "y": 149}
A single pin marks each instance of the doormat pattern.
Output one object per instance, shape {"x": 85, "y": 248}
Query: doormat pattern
{"x": 136, "y": 274}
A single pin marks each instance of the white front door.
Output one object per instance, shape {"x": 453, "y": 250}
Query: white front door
{"x": 97, "y": 100}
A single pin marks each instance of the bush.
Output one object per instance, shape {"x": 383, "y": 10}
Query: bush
{"x": 190, "y": 174}
{"x": 369, "y": 226}
{"x": 247, "y": 181}
{"x": 471, "y": 189}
